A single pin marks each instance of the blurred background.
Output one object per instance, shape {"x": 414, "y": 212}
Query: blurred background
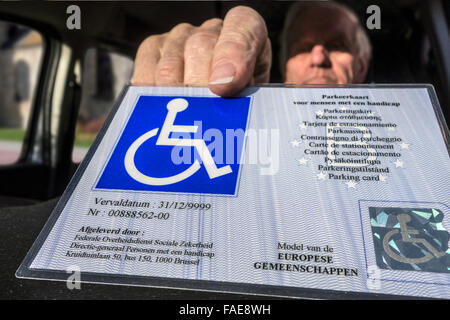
{"x": 104, "y": 75}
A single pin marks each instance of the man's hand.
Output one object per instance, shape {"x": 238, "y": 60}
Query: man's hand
{"x": 224, "y": 55}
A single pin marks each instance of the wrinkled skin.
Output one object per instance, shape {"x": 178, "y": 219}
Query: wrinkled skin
{"x": 230, "y": 54}
{"x": 226, "y": 56}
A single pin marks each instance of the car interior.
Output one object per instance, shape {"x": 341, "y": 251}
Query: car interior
{"x": 81, "y": 70}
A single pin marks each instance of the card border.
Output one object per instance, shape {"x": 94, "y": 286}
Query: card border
{"x": 24, "y": 271}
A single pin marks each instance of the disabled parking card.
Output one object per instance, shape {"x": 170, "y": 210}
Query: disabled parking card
{"x": 281, "y": 191}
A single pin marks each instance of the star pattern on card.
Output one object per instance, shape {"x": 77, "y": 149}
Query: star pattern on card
{"x": 344, "y": 108}
{"x": 398, "y": 163}
{"x": 321, "y": 176}
{"x": 382, "y": 178}
{"x": 404, "y": 145}
{"x": 319, "y": 113}
{"x": 351, "y": 184}
{"x": 295, "y": 143}
{"x": 391, "y": 129}
{"x": 302, "y": 126}
{"x": 303, "y": 161}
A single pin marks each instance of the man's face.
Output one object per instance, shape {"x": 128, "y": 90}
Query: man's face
{"x": 323, "y": 49}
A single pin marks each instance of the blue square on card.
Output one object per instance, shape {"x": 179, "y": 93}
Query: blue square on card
{"x": 180, "y": 145}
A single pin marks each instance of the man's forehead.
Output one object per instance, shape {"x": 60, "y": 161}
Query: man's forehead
{"x": 322, "y": 22}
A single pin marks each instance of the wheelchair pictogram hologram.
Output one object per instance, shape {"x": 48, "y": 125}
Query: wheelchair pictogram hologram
{"x": 406, "y": 234}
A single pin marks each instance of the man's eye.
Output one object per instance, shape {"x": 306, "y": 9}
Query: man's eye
{"x": 304, "y": 47}
{"x": 337, "y": 46}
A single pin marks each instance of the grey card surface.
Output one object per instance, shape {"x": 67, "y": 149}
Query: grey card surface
{"x": 278, "y": 191}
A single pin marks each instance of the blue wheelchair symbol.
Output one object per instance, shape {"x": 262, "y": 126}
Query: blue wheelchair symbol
{"x": 141, "y": 159}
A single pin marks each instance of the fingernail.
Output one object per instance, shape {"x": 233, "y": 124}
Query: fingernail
{"x": 223, "y": 74}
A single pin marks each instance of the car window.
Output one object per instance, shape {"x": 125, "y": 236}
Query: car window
{"x": 21, "y": 50}
{"x": 104, "y": 74}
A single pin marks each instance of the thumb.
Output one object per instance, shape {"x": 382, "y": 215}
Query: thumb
{"x": 242, "y": 40}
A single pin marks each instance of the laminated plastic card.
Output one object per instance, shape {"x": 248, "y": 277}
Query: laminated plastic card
{"x": 283, "y": 191}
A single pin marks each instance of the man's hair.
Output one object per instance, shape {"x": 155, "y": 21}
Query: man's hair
{"x": 361, "y": 40}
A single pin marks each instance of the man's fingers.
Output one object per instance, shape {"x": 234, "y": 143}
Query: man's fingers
{"x": 263, "y": 64}
{"x": 170, "y": 68}
{"x": 213, "y": 24}
{"x": 198, "y": 53}
{"x": 227, "y": 56}
{"x": 147, "y": 58}
{"x": 241, "y": 42}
